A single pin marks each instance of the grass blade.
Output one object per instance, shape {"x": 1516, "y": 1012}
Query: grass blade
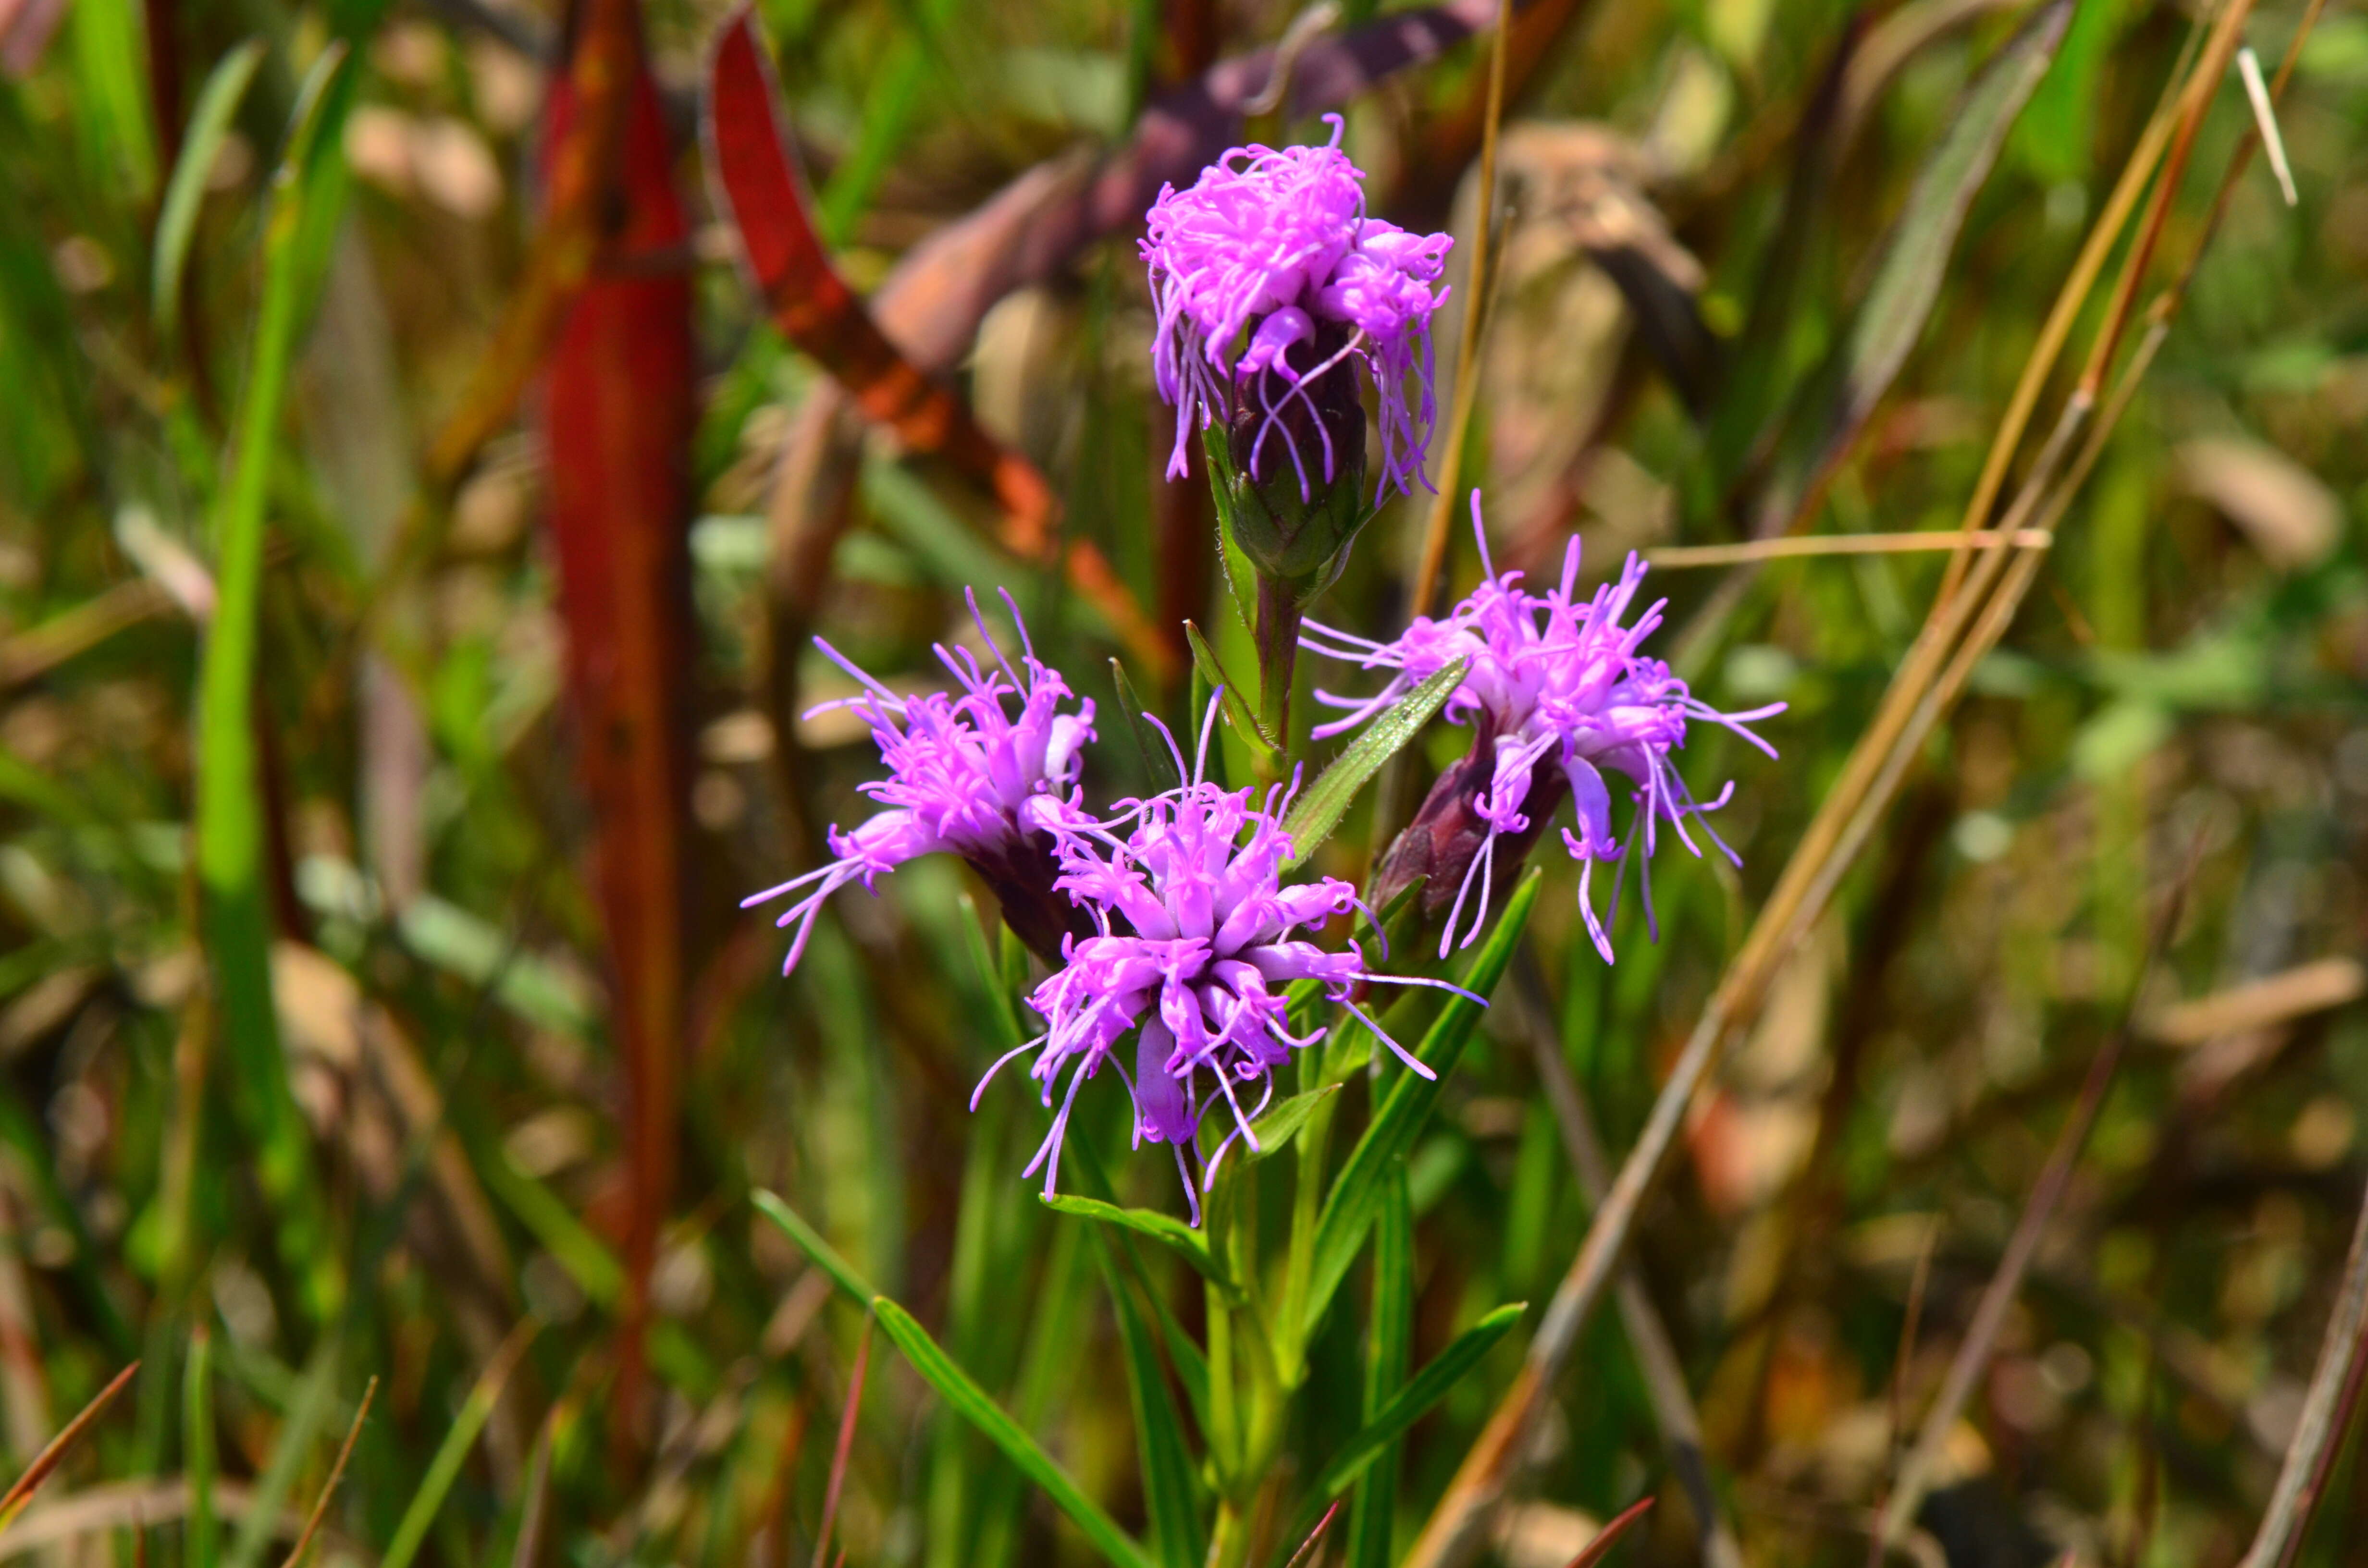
{"x": 938, "y": 1369}
{"x": 1907, "y": 283}
{"x": 197, "y": 1459}
{"x": 1321, "y": 805}
{"x": 1176, "y": 1537}
{"x": 1389, "y": 1350}
{"x": 185, "y": 193}
{"x": 823, "y": 1254}
{"x": 1349, "y": 1207}
{"x": 288, "y": 1452}
{"x": 453, "y": 1451}
{"x": 1609, "y": 1536}
{"x": 846, "y": 1445}
{"x": 230, "y": 827}
{"x": 1406, "y": 1406}
{"x": 329, "y": 1487}
{"x": 47, "y": 1461}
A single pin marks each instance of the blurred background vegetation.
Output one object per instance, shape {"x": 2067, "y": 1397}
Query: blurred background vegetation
{"x": 410, "y": 523}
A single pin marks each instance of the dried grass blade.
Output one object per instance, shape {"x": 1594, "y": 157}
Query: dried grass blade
{"x": 2326, "y": 1411}
{"x": 1609, "y": 1536}
{"x": 336, "y": 1473}
{"x": 1680, "y": 556}
{"x": 13, "y": 1503}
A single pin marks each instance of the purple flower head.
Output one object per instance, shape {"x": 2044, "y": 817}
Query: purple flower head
{"x": 1275, "y": 244}
{"x": 1555, "y": 684}
{"x": 965, "y": 775}
{"x": 1196, "y": 941}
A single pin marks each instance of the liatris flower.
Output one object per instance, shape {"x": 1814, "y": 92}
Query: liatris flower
{"x": 1195, "y": 942}
{"x": 1275, "y": 247}
{"x": 965, "y": 777}
{"x": 1555, "y": 684}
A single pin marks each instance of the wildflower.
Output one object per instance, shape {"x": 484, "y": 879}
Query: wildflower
{"x": 1274, "y": 246}
{"x": 1558, "y": 695}
{"x": 1195, "y": 942}
{"x": 965, "y": 777}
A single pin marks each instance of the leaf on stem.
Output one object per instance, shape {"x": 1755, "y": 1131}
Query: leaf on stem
{"x": 1321, "y": 805}
{"x": 1158, "y": 762}
{"x": 1282, "y": 1121}
{"x": 1238, "y": 709}
{"x": 1165, "y": 1229}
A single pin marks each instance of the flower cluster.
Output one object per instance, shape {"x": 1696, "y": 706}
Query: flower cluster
{"x": 1196, "y": 941}
{"x": 1274, "y": 247}
{"x": 1556, "y": 683}
{"x": 965, "y": 776}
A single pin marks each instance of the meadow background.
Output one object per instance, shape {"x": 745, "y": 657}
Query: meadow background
{"x": 410, "y": 523}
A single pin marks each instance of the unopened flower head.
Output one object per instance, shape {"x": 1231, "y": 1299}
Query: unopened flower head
{"x": 1196, "y": 941}
{"x": 967, "y": 775}
{"x": 1556, "y": 683}
{"x": 1268, "y": 278}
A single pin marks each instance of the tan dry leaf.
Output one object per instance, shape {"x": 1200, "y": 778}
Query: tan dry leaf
{"x": 2282, "y": 507}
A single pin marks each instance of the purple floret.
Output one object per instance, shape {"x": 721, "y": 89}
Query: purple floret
{"x": 965, "y": 775}
{"x": 1196, "y": 941}
{"x": 1555, "y": 682}
{"x": 1276, "y": 244}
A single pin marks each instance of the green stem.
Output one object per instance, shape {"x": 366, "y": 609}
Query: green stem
{"x": 1277, "y": 635}
{"x": 1299, "y": 1259}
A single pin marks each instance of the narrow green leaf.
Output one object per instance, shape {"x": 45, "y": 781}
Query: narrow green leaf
{"x": 1003, "y": 1023}
{"x": 26, "y": 786}
{"x": 1192, "y": 1363}
{"x": 955, "y": 1387}
{"x": 290, "y": 1451}
{"x": 1158, "y": 762}
{"x": 1046, "y": 1365}
{"x": 111, "y": 94}
{"x": 1914, "y": 258}
{"x": 1348, "y": 1208}
{"x": 230, "y": 829}
{"x": 1321, "y": 805}
{"x": 1159, "y": 1435}
{"x": 1426, "y": 1389}
{"x": 1238, "y": 707}
{"x": 1916, "y": 255}
{"x": 185, "y": 191}
{"x": 1165, "y": 1229}
{"x": 444, "y": 1468}
{"x": 823, "y": 1254}
{"x": 197, "y": 1447}
{"x": 567, "y": 1238}
{"x": 1389, "y": 1350}
{"x": 1281, "y": 1122}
